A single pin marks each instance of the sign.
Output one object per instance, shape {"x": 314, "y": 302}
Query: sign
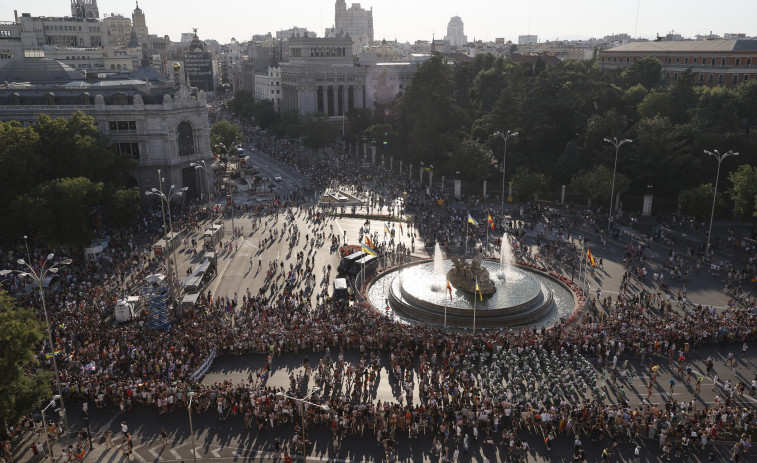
{"x": 198, "y": 66}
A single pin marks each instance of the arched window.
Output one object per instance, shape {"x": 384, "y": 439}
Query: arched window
{"x": 185, "y": 139}
{"x": 85, "y": 98}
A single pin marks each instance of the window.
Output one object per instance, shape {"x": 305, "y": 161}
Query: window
{"x": 185, "y": 139}
{"x": 701, "y": 77}
{"x": 675, "y": 76}
{"x": 713, "y": 61}
{"x": 685, "y": 61}
{"x": 131, "y": 149}
{"x": 735, "y": 79}
{"x": 746, "y": 77}
{"x": 667, "y": 76}
{"x": 709, "y": 79}
{"x": 749, "y": 61}
{"x": 722, "y": 61}
{"x": 695, "y": 60}
{"x": 720, "y": 79}
{"x": 738, "y": 61}
{"x": 678, "y": 60}
{"x": 670, "y": 60}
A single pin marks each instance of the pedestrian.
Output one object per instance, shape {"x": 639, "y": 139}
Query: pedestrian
{"x": 109, "y": 439}
{"x": 163, "y": 436}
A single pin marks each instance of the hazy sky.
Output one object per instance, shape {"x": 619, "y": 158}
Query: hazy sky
{"x": 411, "y": 20}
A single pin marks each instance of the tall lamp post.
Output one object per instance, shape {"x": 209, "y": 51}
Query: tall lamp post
{"x": 191, "y": 395}
{"x": 230, "y": 149}
{"x": 38, "y": 276}
{"x": 505, "y": 136}
{"x": 166, "y": 199}
{"x": 304, "y": 402}
{"x": 617, "y": 143}
{"x": 201, "y": 165}
{"x": 720, "y": 158}
{"x": 44, "y": 425}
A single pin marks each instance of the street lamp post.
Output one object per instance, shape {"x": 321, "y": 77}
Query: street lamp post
{"x": 44, "y": 425}
{"x": 191, "y": 395}
{"x": 720, "y": 158}
{"x": 166, "y": 199}
{"x": 505, "y": 136}
{"x": 201, "y": 165}
{"x": 38, "y": 277}
{"x": 304, "y": 402}
{"x": 617, "y": 143}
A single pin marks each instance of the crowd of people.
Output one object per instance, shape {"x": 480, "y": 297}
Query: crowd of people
{"x": 494, "y": 388}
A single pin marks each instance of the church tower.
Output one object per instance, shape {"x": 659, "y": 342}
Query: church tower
{"x": 85, "y": 9}
{"x": 139, "y": 23}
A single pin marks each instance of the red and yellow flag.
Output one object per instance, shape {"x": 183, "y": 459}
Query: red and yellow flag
{"x": 369, "y": 243}
{"x": 491, "y": 222}
{"x": 449, "y": 289}
{"x": 590, "y": 257}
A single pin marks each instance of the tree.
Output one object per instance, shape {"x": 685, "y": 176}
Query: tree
{"x": 264, "y": 113}
{"x": 34, "y": 157}
{"x": 122, "y": 207}
{"x": 697, "y": 201}
{"x": 431, "y": 122}
{"x": 61, "y": 210}
{"x": 528, "y": 184}
{"x": 318, "y": 131}
{"x": 596, "y": 183}
{"x": 224, "y": 133}
{"x": 473, "y": 160}
{"x": 242, "y": 104}
{"x": 744, "y": 191}
{"x": 289, "y": 125}
{"x": 22, "y": 386}
{"x": 647, "y": 71}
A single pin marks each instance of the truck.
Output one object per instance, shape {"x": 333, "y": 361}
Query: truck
{"x": 341, "y": 290}
{"x": 127, "y": 309}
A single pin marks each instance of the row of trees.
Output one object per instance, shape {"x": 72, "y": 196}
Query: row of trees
{"x": 62, "y": 180}
{"x": 449, "y": 114}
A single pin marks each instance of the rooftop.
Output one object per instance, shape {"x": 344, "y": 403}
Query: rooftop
{"x": 706, "y": 46}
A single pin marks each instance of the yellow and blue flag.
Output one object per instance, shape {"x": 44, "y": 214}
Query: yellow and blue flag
{"x": 481, "y": 296}
{"x": 470, "y": 220}
{"x": 366, "y": 249}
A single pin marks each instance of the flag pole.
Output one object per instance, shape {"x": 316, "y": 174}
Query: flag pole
{"x": 474, "y": 306}
{"x": 466, "y": 236}
{"x": 445, "y": 316}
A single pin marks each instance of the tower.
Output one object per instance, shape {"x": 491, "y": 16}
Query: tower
{"x": 139, "y": 23}
{"x": 85, "y": 9}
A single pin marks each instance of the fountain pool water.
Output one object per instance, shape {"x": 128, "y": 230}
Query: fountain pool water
{"x": 527, "y": 298}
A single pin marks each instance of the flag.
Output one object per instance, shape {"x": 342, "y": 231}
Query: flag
{"x": 368, "y": 250}
{"x": 449, "y": 289}
{"x": 470, "y": 220}
{"x": 491, "y": 222}
{"x": 480, "y": 295}
{"x": 401, "y": 228}
{"x": 590, "y": 257}
{"x": 266, "y": 372}
{"x": 386, "y": 229}
{"x": 228, "y": 306}
{"x": 90, "y": 366}
{"x": 370, "y": 243}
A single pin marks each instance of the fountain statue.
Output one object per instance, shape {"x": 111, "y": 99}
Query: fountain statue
{"x": 464, "y": 276}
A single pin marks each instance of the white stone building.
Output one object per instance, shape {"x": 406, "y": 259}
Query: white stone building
{"x": 268, "y": 86}
{"x": 455, "y": 33}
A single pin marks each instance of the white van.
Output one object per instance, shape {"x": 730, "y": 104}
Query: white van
{"x": 127, "y": 309}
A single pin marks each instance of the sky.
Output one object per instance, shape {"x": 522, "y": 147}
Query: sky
{"x": 408, "y": 21}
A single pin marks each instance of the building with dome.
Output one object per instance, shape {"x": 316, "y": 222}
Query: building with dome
{"x": 147, "y": 116}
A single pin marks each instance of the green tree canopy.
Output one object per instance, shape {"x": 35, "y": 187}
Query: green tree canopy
{"x": 647, "y": 72}
{"x": 596, "y": 183}
{"x": 528, "y": 183}
{"x": 744, "y": 191}
{"x": 697, "y": 201}
{"x": 318, "y": 131}
{"x": 37, "y": 165}
{"x": 473, "y": 160}
{"x": 22, "y": 385}
{"x": 224, "y": 133}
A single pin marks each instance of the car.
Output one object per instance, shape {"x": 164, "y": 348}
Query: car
{"x": 277, "y": 177}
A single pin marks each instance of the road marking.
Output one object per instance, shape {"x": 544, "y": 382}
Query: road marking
{"x": 104, "y": 428}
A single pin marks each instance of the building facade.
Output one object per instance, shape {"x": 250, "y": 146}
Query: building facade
{"x": 156, "y": 123}
{"x": 713, "y": 62}
{"x": 140, "y": 23}
{"x": 268, "y": 86}
{"x": 353, "y": 21}
{"x": 456, "y": 33}
{"x": 118, "y": 30}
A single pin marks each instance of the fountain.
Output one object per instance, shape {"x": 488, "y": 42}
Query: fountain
{"x": 438, "y": 284}
{"x": 505, "y": 254}
{"x": 527, "y": 298}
